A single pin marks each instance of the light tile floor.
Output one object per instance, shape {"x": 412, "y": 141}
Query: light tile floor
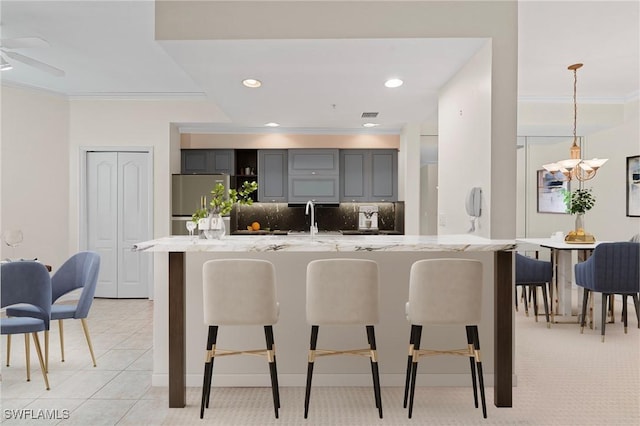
{"x": 564, "y": 378}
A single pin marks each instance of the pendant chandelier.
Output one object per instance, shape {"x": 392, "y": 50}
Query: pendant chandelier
{"x": 575, "y": 166}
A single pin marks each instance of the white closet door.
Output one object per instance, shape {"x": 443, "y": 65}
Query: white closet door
{"x": 133, "y": 218}
{"x": 118, "y": 216}
{"x": 102, "y": 217}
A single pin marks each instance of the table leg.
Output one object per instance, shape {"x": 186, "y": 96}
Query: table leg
{"x": 177, "y": 347}
{"x": 503, "y": 329}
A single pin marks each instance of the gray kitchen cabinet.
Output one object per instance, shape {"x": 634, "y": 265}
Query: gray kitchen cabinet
{"x": 368, "y": 175}
{"x": 314, "y": 174}
{"x": 354, "y": 170}
{"x": 197, "y": 161}
{"x": 314, "y": 162}
{"x": 319, "y": 189}
{"x": 272, "y": 176}
{"x": 384, "y": 175}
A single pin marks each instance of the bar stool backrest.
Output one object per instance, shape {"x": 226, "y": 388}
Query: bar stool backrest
{"x": 239, "y": 291}
{"x": 342, "y": 291}
{"x": 445, "y": 291}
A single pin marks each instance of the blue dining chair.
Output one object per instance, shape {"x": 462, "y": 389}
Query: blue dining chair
{"x": 28, "y": 283}
{"x": 613, "y": 268}
{"x": 533, "y": 273}
{"x": 79, "y": 271}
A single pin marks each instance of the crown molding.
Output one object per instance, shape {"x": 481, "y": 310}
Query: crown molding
{"x": 581, "y": 100}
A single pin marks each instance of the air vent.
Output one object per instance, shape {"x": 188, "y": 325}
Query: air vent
{"x": 370, "y": 114}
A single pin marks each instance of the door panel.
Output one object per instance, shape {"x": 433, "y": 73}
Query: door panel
{"x": 102, "y": 216}
{"x": 133, "y": 218}
{"x": 117, "y": 217}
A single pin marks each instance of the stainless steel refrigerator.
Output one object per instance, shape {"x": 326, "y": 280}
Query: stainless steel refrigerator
{"x": 186, "y": 197}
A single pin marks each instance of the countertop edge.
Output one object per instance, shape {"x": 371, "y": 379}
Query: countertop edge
{"x": 369, "y": 243}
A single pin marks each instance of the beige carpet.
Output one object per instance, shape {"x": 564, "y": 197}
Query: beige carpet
{"x": 564, "y": 378}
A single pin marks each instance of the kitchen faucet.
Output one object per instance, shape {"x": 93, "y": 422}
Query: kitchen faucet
{"x": 313, "y": 228}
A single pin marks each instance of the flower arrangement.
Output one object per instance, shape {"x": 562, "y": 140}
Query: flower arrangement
{"x": 579, "y": 201}
{"x": 222, "y": 205}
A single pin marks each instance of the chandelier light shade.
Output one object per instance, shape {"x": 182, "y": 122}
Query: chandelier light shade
{"x": 575, "y": 166}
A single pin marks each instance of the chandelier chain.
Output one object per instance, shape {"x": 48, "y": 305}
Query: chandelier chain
{"x": 575, "y": 103}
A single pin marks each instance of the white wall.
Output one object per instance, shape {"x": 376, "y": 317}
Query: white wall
{"x": 110, "y": 123}
{"x": 409, "y": 177}
{"x": 429, "y": 184}
{"x": 465, "y": 145}
{"x": 35, "y": 173}
{"x": 607, "y": 220}
{"x": 539, "y": 151}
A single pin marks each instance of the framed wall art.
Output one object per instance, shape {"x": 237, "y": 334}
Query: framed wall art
{"x": 551, "y": 188}
{"x": 633, "y": 186}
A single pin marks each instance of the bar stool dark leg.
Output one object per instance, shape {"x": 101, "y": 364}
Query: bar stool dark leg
{"x": 371, "y": 335}
{"x": 409, "y": 359}
{"x": 472, "y": 363}
{"x": 476, "y": 344}
{"x": 208, "y": 370}
{"x": 312, "y": 347}
{"x": 275, "y": 367}
{"x": 268, "y": 335}
{"x": 414, "y": 368}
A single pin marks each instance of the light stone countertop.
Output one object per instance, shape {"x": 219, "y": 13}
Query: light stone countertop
{"x": 326, "y": 243}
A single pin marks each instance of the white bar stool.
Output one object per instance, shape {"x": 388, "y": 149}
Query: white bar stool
{"x": 343, "y": 292}
{"x": 445, "y": 292}
{"x": 239, "y": 292}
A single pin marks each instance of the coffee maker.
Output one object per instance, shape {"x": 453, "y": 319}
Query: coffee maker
{"x": 368, "y": 218}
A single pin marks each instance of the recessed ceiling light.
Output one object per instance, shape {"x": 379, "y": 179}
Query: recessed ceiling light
{"x": 272, "y": 124}
{"x": 252, "y": 82}
{"x": 393, "y": 82}
{"x": 370, "y": 125}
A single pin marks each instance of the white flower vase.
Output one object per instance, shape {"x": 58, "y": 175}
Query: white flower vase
{"x": 216, "y": 228}
{"x": 203, "y": 225}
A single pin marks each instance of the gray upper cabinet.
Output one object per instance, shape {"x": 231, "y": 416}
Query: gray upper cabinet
{"x": 272, "y": 176}
{"x": 196, "y": 161}
{"x": 355, "y": 167}
{"x": 314, "y": 174}
{"x": 384, "y": 175}
{"x": 368, "y": 175}
{"x": 314, "y": 162}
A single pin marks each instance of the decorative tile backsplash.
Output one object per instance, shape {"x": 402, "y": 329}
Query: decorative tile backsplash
{"x": 279, "y": 216}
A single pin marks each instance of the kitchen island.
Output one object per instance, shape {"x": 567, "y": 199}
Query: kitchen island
{"x": 180, "y": 334}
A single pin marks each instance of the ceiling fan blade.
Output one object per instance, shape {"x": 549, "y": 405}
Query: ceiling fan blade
{"x": 23, "y": 42}
{"x": 35, "y": 63}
